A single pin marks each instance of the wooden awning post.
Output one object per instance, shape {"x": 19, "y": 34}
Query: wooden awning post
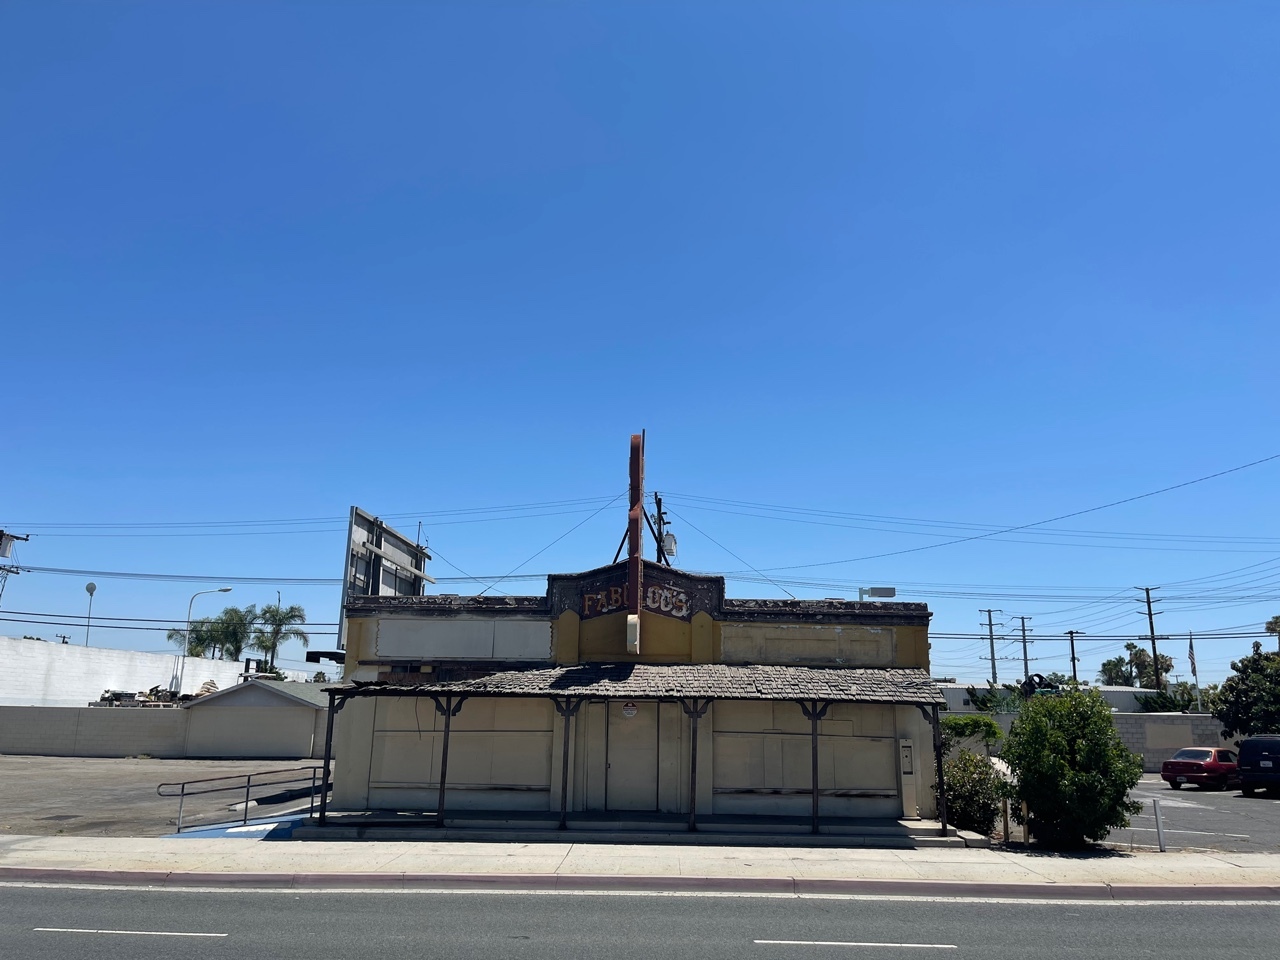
{"x": 448, "y": 709}
{"x": 694, "y": 710}
{"x": 567, "y": 707}
{"x": 336, "y": 703}
{"x": 937, "y": 759}
{"x": 815, "y": 710}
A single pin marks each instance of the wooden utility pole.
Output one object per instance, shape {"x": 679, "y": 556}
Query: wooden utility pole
{"x": 1071, "y": 635}
{"x": 1151, "y": 622}
{"x": 1026, "y": 664}
{"x": 991, "y": 636}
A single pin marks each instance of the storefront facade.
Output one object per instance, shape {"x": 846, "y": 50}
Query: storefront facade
{"x": 636, "y": 688}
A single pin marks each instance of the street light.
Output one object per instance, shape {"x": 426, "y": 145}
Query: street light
{"x": 186, "y": 646}
{"x": 90, "y": 588}
{"x": 877, "y": 593}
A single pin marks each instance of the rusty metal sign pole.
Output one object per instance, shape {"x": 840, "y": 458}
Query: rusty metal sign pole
{"x": 635, "y": 544}
{"x": 694, "y": 710}
{"x": 567, "y": 708}
{"x": 815, "y": 710}
{"x": 448, "y": 709}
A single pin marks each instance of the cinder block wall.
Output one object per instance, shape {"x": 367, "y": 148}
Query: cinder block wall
{"x": 93, "y": 732}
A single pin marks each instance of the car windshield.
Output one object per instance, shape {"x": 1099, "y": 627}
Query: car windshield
{"x": 1193, "y": 755}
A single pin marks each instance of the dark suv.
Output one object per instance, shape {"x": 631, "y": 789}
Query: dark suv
{"x": 1259, "y": 763}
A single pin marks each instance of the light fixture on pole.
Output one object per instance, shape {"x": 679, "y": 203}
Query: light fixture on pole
{"x": 90, "y": 588}
{"x": 877, "y": 593}
{"x": 186, "y": 644}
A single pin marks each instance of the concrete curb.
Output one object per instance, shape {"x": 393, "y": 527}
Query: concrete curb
{"x": 587, "y": 883}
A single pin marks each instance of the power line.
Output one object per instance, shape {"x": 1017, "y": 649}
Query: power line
{"x": 1037, "y": 523}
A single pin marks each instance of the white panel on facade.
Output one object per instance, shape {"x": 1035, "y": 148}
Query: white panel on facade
{"x": 522, "y": 640}
{"x": 464, "y": 639}
{"x": 432, "y": 639}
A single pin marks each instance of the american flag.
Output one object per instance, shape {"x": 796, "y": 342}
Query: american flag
{"x": 1191, "y": 653}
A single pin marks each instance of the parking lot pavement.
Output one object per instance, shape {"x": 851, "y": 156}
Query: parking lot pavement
{"x": 78, "y": 796}
{"x": 1205, "y": 819}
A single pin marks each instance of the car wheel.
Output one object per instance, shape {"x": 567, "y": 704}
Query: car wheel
{"x": 1174, "y": 785}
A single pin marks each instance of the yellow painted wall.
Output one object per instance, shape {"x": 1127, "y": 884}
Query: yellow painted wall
{"x": 819, "y": 644}
{"x": 662, "y": 639}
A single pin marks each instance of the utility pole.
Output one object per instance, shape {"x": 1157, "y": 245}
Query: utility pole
{"x": 1026, "y": 664}
{"x": 7, "y": 540}
{"x": 1072, "y": 634}
{"x": 991, "y": 636}
{"x": 65, "y": 638}
{"x": 1151, "y": 622}
{"x": 659, "y": 534}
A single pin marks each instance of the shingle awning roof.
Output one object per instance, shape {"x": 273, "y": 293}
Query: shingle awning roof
{"x": 648, "y": 681}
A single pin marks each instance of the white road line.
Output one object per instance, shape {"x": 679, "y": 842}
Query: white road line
{"x": 854, "y": 943}
{"x": 131, "y": 933}
{"x": 1201, "y": 833}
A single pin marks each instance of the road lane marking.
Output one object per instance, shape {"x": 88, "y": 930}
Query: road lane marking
{"x": 1201, "y": 833}
{"x": 130, "y": 933}
{"x": 855, "y": 943}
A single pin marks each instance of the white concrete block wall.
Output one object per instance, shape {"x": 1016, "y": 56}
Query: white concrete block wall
{"x": 93, "y": 731}
{"x": 36, "y": 673}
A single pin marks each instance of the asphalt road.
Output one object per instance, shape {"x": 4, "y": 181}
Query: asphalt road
{"x": 1206, "y": 819}
{"x": 78, "y": 796}
{"x": 37, "y": 923}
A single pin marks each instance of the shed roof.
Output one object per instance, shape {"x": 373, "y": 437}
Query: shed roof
{"x": 647, "y": 681}
{"x": 311, "y": 694}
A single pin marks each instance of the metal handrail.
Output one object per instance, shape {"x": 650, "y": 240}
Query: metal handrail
{"x": 195, "y": 788}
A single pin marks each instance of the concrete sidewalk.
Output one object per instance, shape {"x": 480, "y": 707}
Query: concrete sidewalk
{"x": 604, "y": 867}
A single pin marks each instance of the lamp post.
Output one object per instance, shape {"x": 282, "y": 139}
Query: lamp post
{"x": 90, "y": 588}
{"x": 186, "y": 646}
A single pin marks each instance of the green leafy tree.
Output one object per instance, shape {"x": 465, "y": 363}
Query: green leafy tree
{"x": 958, "y": 728}
{"x": 973, "y": 790}
{"x": 1249, "y": 699}
{"x": 1071, "y": 769}
{"x": 278, "y": 625}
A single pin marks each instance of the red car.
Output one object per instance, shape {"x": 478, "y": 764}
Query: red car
{"x": 1210, "y": 767}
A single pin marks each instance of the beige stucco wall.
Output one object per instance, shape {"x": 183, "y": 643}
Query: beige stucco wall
{"x": 499, "y": 754}
{"x": 277, "y": 730}
{"x": 764, "y": 760}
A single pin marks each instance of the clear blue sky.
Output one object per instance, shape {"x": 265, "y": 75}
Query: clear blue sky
{"x": 973, "y": 263}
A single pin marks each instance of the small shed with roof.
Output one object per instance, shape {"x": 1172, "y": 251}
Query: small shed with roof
{"x": 259, "y": 719}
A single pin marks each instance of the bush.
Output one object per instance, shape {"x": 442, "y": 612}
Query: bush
{"x": 973, "y": 790}
{"x": 1071, "y": 769}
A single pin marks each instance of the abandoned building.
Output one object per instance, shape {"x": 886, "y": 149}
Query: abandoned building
{"x": 634, "y": 687}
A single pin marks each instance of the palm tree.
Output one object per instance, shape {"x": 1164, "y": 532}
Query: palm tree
{"x": 279, "y": 625}
{"x": 1273, "y": 626}
{"x": 200, "y": 641}
{"x": 235, "y": 630}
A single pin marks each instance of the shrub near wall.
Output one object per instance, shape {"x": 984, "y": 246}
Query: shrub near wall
{"x": 973, "y": 790}
{"x": 1071, "y": 769}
